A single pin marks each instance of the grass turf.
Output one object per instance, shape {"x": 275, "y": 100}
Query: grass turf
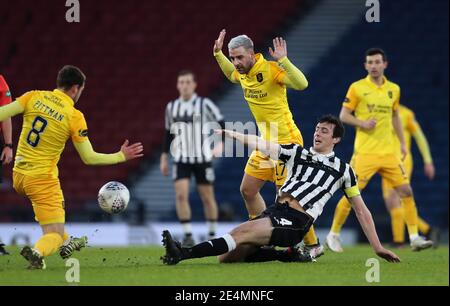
{"x": 141, "y": 266}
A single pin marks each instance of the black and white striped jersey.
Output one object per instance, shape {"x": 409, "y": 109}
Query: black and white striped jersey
{"x": 189, "y": 125}
{"x": 313, "y": 178}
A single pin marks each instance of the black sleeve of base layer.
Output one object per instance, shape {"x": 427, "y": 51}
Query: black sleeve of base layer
{"x": 167, "y": 140}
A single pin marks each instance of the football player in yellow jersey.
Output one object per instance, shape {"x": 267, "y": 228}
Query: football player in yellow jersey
{"x": 411, "y": 128}
{"x": 49, "y": 120}
{"x": 371, "y": 105}
{"x": 264, "y": 84}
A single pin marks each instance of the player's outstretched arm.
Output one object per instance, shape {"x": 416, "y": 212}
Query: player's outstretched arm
{"x": 294, "y": 78}
{"x": 365, "y": 219}
{"x": 424, "y": 149}
{"x": 224, "y": 63}
{"x": 218, "y": 43}
{"x": 10, "y": 110}
{"x": 254, "y": 142}
{"x": 90, "y": 157}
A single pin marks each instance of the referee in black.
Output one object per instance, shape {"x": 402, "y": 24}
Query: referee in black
{"x": 314, "y": 175}
{"x": 186, "y": 120}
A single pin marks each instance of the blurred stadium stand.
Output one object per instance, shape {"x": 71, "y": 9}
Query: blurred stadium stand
{"x": 416, "y": 40}
{"x": 132, "y": 51}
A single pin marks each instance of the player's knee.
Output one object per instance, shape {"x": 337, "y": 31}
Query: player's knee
{"x": 240, "y": 234}
{"x": 181, "y": 198}
{"x": 248, "y": 193}
{"x": 392, "y": 201}
{"x": 405, "y": 191}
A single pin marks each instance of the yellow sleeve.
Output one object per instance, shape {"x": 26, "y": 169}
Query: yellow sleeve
{"x": 227, "y": 67}
{"x": 422, "y": 144}
{"x": 24, "y": 99}
{"x": 79, "y": 133}
{"x": 411, "y": 124}
{"x": 397, "y": 101}
{"x": 292, "y": 77}
{"x": 92, "y": 158}
{"x": 78, "y": 128}
{"x": 351, "y": 99}
{"x": 10, "y": 110}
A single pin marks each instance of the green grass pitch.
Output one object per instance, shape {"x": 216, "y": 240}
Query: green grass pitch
{"x": 141, "y": 266}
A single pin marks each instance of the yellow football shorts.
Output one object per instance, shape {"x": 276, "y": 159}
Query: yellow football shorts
{"x": 389, "y": 166}
{"x": 409, "y": 165}
{"x": 260, "y": 166}
{"x": 45, "y": 195}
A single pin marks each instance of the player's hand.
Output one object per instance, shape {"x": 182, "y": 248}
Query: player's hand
{"x": 132, "y": 151}
{"x": 218, "y": 149}
{"x": 429, "y": 170}
{"x": 369, "y": 124}
{"x": 403, "y": 150}
{"x": 164, "y": 165}
{"x": 7, "y": 155}
{"x": 279, "y": 48}
{"x": 388, "y": 255}
{"x": 218, "y": 44}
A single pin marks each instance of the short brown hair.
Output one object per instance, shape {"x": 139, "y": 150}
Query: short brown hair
{"x": 375, "y": 51}
{"x": 69, "y": 76}
{"x": 187, "y": 72}
{"x": 339, "y": 130}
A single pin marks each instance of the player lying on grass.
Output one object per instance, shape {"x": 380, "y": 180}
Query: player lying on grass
{"x": 314, "y": 175}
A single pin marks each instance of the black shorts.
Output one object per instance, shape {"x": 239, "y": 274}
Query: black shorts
{"x": 290, "y": 225}
{"x": 204, "y": 173}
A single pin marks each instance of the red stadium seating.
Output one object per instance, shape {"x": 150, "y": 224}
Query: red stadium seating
{"x": 131, "y": 52}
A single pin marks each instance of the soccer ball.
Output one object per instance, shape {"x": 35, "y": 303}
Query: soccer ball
{"x": 113, "y": 197}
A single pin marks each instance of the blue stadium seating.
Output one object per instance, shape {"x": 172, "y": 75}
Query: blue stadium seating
{"x": 415, "y": 36}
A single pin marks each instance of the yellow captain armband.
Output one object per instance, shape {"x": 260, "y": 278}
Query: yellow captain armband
{"x": 352, "y": 192}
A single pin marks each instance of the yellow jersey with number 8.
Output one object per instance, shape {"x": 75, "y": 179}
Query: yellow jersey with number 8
{"x": 49, "y": 120}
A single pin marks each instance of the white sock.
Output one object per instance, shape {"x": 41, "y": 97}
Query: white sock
{"x": 212, "y": 227}
{"x": 413, "y": 237}
{"x": 187, "y": 227}
{"x": 231, "y": 243}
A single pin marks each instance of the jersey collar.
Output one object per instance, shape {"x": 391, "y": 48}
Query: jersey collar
{"x": 314, "y": 153}
{"x": 256, "y": 67}
{"x": 194, "y": 96}
{"x": 62, "y": 93}
{"x": 373, "y": 85}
